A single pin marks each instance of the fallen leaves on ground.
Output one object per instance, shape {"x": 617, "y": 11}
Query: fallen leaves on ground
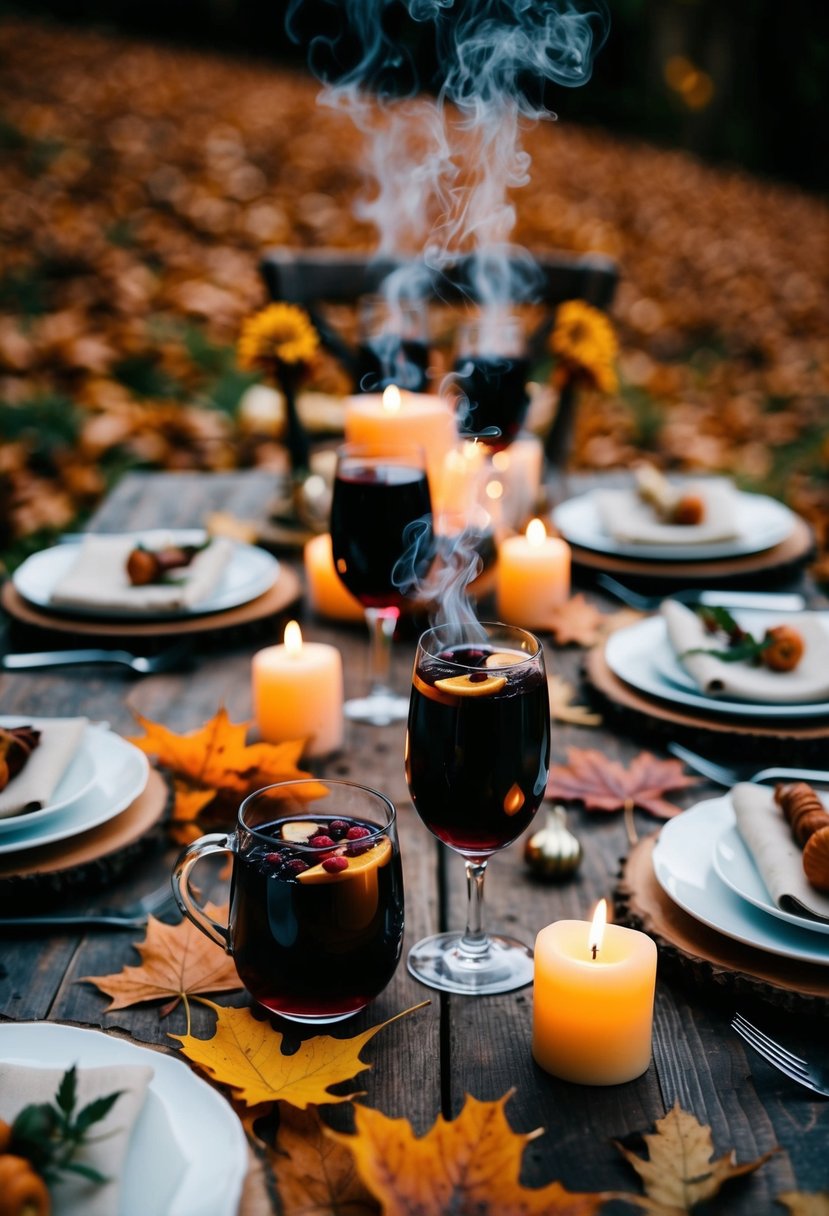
{"x": 314, "y": 1174}
{"x": 471, "y": 1165}
{"x": 562, "y": 708}
{"x": 246, "y": 1054}
{"x": 605, "y": 785}
{"x": 679, "y": 1171}
{"x": 804, "y": 1203}
{"x": 177, "y": 961}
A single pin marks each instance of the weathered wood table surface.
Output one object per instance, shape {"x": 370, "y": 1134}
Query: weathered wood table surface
{"x": 427, "y": 1063}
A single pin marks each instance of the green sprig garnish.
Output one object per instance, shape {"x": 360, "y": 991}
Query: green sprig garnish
{"x": 743, "y": 647}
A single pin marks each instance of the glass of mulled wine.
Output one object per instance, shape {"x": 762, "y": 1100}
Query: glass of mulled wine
{"x": 394, "y": 345}
{"x": 477, "y": 757}
{"x": 316, "y": 902}
{"x": 490, "y": 373}
{"x": 381, "y": 536}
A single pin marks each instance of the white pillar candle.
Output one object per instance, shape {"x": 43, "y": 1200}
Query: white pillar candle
{"x": 298, "y": 693}
{"x": 532, "y": 577}
{"x": 327, "y": 593}
{"x": 593, "y": 1008}
{"x": 402, "y": 418}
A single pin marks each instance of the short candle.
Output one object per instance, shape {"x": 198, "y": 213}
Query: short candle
{"x": 533, "y": 577}
{"x": 327, "y": 593}
{"x": 298, "y": 693}
{"x": 593, "y": 1001}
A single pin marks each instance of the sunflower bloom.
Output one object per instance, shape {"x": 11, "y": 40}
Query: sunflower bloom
{"x": 584, "y": 341}
{"x": 279, "y": 334}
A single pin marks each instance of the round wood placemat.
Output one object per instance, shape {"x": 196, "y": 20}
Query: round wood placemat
{"x": 772, "y": 565}
{"x": 703, "y": 955}
{"x": 89, "y": 860}
{"x": 285, "y": 591}
{"x": 768, "y": 740}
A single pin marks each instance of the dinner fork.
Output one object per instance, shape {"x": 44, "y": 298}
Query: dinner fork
{"x": 728, "y": 775}
{"x": 143, "y": 665}
{"x": 809, "y": 1075}
{"x": 159, "y": 903}
{"x": 771, "y": 600}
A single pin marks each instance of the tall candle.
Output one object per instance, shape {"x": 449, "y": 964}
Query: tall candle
{"x": 520, "y": 467}
{"x": 402, "y": 418}
{"x": 533, "y": 576}
{"x": 327, "y": 593}
{"x": 593, "y": 1001}
{"x": 298, "y": 693}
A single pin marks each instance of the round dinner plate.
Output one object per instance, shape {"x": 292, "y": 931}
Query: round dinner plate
{"x": 762, "y": 523}
{"x": 77, "y": 780}
{"x": 249, "y": 573}
{"x": 643, "y": 657}
{"x": 684, "y": 868}
{"x": 187, "y": 1152}
{"x": 120, "y": 776}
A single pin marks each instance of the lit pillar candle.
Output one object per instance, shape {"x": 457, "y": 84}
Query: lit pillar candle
{"x": 402, "y": 418}
{"x": 593, "y": 1001}
{"x": 533, "y": 576}
{"x": 520, "y": 467}
{"x": 298, "y": 693}
{"x": 327, "y": 593}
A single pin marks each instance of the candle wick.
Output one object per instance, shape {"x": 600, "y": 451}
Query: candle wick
{"x": 595, "y": 950}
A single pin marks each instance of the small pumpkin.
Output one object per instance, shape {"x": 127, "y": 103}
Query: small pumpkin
{"x": 553, "y": 852}
{"x": 22, "y": 1191}
{"x": 5, "y": 1135}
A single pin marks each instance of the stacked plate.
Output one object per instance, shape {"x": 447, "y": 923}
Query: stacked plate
{"x": 103, "y": 779}
{"x": 702, "y": 864}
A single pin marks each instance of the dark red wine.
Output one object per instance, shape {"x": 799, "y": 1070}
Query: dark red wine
{"x": 371, "y": 507}
{"x": 389, "y": 359}
{"x": 476, "y": 762}
{"x": 317, "y": 931}
{"x": 494, "y": 397}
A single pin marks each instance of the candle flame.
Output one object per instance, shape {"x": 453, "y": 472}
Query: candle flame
{"x": 594, "y": 941}
{"x": 391, "y": 399}
{"x": 536, "y": 533}
{"x": 293, "y": 639}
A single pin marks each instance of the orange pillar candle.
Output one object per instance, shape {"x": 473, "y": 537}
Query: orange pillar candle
{"x": 533, "y": 577}
{"x": 298, "y": 693}
{"x": 593, "y": 1001}
{"x": 327, "y": 593}
{"x": 404, "y": 419}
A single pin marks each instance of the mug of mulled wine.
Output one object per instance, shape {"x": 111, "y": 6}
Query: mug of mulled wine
{"x": 316, "y": 902}
{"x": 490, "y": 373}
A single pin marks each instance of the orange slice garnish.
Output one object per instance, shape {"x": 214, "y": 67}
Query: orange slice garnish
{"x": 465, "y": 686}
{"x": 504, "y": 658}
{"x": 372, "y": 859}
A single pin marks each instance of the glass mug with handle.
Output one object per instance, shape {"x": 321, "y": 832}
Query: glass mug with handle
{"x": 316, "y": 904}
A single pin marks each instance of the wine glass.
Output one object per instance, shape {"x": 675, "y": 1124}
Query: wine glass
{"x": 394, "y": 345}
{"x": 477, "y": 757}
{"x": 491, "y": 369}
{"x": 378, "y": 492}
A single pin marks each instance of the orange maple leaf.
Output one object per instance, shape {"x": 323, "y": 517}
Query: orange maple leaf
{"x": 604, "y": 785}
{"x": 187, "y": 806}
{"x": 469, "y": 1165}
{"x": 314, "y": 1176}
{"x": 177, "y": 961}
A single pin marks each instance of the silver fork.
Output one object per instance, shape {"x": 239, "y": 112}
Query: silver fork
{"x": 729, "y": 775}
{"x": 159, "y": 903}
{"x": 809, "y": 1075}
{"x": 142, "y": 665}
{"x": 771, "y": 600}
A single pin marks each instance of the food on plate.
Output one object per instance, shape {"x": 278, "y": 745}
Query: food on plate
{"x": 780, "y": 649}
{"x": 809, "y": 821}
{"x": 16, "y": 746}
{"x": 22, "y": 1190}
{"x": 783, "y": 648}
{"x": 672, "y": 505}
{"x": 816, "y": 860}
{"x": 145, "y": 566}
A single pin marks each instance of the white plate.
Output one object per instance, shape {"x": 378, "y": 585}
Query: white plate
{"x": 187, "y": 1154}
{"x": 683, "y": 864}
{"x": 762, "y": 522}
{"x": 642, "y": 656}
{"x": 249, "y": 573}
{"x": 77, "y": 780}
{"x": 735, "y": 867}
{"x": 120, "y": 775}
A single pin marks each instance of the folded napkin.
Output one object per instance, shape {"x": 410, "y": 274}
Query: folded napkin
{"x": 98, "y": 577}
{"x": 23, "y": 1084}
{"x": 38, "y": 779}
{"x": 768, "y": 838}
{"x": 626, "y": 518}
{"x": 739, "y": 681}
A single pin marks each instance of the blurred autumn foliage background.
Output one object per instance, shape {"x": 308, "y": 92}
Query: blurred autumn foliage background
{"x": 141, "y": 181}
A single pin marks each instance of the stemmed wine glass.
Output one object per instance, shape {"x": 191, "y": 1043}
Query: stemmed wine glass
{"x": 378, "y": 492}
{"x": 477, "y": 757}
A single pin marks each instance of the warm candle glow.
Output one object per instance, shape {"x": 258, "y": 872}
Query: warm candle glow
{"x": 494, "y": 490}
{"x": 594, "y": 941}
{"x": 536, "y": 533}
{"x": 391, "y": 399}
{"x": 293, "y": 639}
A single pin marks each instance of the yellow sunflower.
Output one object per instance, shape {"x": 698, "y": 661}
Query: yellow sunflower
{"x": 280, "y": 333}
{"x": 584, "y": 341}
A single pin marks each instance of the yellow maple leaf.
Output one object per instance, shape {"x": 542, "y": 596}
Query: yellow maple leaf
{"x": 679, "y": 1171}
{"x": 246, "y": 1054}
{"x": 469, "y": 1165}
{"x": 177, "y": 961}
{"x": 188, "y": 803}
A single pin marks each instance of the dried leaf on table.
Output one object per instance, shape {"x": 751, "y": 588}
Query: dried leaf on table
{"x": 605, "y": 785}
{"x": 576, "y": 621}
{"x": 177, "y": 961}
{"x": 679, "y": 1171}
{"x": 188, "y": 803}
{"x": 805, "y": 1203}
{"x": 562, "y": 708}
{"x": 246, "y": 1054}
{"x": 469, "y": 1165}
{"x": 314, "y": 1174}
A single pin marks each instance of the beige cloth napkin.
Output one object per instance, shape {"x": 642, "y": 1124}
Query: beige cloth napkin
{"x": 22, "y": 1084}
{"x": 768, "y": 838}
{"x": 98, "y": 577}
{"x": 628, "y": 519}
{"x": 809, "y": 681}
{"x": 37, "y": 781}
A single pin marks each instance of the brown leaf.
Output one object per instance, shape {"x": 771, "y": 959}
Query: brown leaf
{"x": 469, "y": 1165}
{"x": 561, "y": 704}
{"x": 176, "y": 961}
{"x": 315, "y": 1175}
{"x": 805, "y": 1203}
{"x": 679, "y": 1171}
{"x": 604, "y": 785}
{"x": 577, "y": 621}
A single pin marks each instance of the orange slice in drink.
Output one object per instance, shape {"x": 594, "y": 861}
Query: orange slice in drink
{"x": 468, "y": 686}
{"x": 503, "y": 658}
{"x": 378, "y": 855}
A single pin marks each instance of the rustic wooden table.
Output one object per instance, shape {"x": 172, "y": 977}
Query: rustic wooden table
{"x": 457, "y": 1046}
